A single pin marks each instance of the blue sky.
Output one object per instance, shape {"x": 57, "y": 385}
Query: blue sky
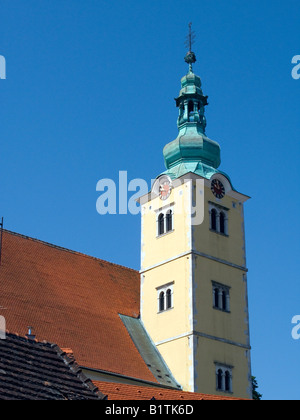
{"x": 90, "y": 92}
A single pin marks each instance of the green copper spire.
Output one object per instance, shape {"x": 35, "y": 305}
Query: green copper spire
{"x": 192, "y": 150}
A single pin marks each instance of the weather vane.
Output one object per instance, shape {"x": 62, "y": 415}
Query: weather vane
{"x": 190, "y": 57}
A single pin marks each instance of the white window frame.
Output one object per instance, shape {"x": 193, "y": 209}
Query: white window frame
{"x": 224, "y": 369}
{"x": 218, "y": 209}
{"x": 164, "y": 211}
{"x": 222, "y": 288}
{"x": 164, "y": 289}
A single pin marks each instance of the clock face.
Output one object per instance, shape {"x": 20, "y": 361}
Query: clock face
{"x": 217, "y": 188}
{"x": 165, "y": 189}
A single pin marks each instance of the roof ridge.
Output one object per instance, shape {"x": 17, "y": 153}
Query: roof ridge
{"x": 68, "y": 250}
{"x": 25, "y": 338}
{"x": 77, "y": 370}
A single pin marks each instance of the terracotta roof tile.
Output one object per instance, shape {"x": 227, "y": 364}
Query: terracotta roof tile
{"x": 73, "y": 300}
{"x": 117, "y": 391}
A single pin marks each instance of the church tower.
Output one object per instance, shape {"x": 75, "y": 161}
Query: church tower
{"x": 193, "y": 267}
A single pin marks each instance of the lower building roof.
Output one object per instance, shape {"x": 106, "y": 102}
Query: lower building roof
{"x": 30, "y": 370}
{"x": 118, "y": 391}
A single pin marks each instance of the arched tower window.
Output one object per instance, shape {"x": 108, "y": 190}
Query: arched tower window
{"x": 190, "y": 107}
{"x": 216, "y": 297}
{"x": 162, "y": 301}
{"x": 165, "y": 297}
{"x": 224, "y": 378}
{"x": 213, "y": 219}
{"x": 227, "y": 381}
{"x": 221, "y": 296}
{"x": 220, "y": 379}
{"x": 218, "y": 219}
{"x": 161, "y": 224}
{"x": 169, "y": 298}
{"x": 224, "y": 300}
{"x": 222, "y": 222}
{"x": 169, "y": 220}
{"x": 165, "y": 221}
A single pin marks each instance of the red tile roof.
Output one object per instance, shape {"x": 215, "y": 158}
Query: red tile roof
{"x": 119, "y": 392}
{"x": 73, "y": 300}
{"x": 30, "y": 370}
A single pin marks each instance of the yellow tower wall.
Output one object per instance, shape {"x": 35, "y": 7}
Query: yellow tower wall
{"x": 167, "y": 259}
{"x": 210, "y": 352}
{"x": 193, "y": 336}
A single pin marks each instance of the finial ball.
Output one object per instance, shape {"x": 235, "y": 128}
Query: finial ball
{"x": 190, "y": 58}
